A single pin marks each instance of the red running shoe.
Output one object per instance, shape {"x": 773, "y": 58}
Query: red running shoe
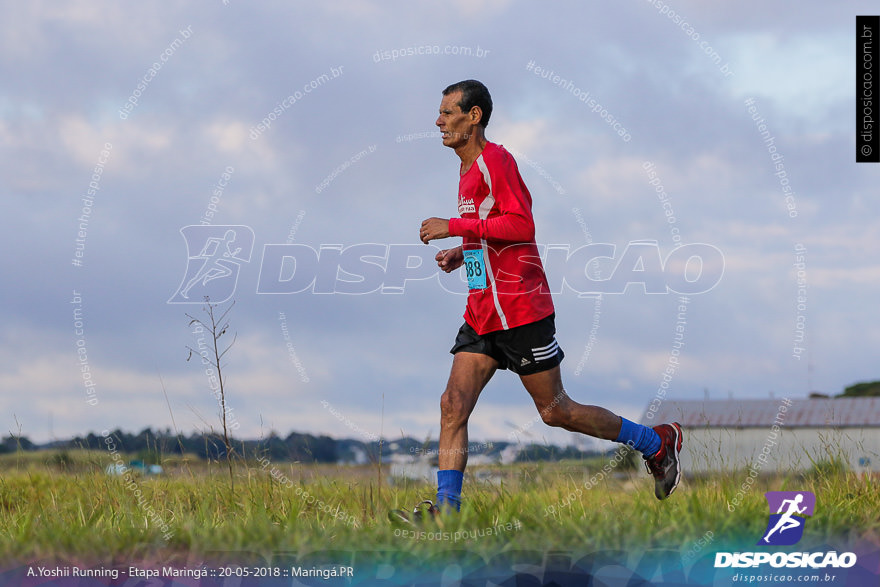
{"x": 664, "y": 465}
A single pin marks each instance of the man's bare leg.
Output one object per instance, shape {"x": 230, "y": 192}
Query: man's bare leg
{"x": 470, "y": 374}
{"x": 659, "y": 445}
{"x": 557, "y": 409}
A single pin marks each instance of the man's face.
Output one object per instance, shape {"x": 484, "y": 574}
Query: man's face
{"x": 454, "y": 124}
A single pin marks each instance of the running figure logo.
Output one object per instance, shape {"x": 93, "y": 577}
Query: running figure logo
{"x": 786, "y": 525}
{"x": 213, "y": 270}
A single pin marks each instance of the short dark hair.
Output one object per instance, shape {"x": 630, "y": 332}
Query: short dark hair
{"x": 473, "y": 93}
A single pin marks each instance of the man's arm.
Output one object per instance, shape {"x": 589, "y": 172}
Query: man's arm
{"x": 509, "y": 227}
{"x": 433, "y": 229}
{"x": 450, "y": 259}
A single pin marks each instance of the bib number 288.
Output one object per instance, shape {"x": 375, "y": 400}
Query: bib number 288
{"x": 475, "y": 269}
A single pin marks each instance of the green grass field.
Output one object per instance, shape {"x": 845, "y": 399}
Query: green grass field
{"x": 64, "y": 506}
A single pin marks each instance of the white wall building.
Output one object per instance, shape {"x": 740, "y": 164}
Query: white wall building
{"x": 774, "y": 435}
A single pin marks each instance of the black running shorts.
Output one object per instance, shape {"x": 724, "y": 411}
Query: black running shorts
{"x": 527, "y": 349}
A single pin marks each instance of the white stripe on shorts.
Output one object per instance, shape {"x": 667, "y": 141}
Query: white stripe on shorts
{"x": 545, "y": 352}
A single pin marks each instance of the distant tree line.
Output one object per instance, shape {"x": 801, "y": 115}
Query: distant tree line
{"x": 152, "y": 444}
{"x": 542, "y": 452}
{"x": 866, "y": 389}
{"x": 14, "y": 443}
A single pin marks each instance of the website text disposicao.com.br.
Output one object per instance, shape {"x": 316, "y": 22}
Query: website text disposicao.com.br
{"x": 423, "y": 50}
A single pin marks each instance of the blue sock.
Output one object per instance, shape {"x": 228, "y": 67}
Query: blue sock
{"x": 449, "y": 489}
{"x": 641, "y": 438}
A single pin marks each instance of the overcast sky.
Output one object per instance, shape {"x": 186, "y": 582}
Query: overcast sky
{"x": 350, "y": 90}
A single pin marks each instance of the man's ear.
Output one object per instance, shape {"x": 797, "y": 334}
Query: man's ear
{"x": 476, "y": 114}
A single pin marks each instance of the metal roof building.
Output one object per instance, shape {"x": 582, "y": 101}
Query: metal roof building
{"x": 774, "y": 435}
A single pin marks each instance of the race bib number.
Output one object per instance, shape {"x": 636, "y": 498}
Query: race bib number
{"x": 475, "y": 268}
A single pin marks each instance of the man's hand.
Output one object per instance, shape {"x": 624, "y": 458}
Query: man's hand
{"x": 434, "y": 228}
{"x": 450, "y": 259}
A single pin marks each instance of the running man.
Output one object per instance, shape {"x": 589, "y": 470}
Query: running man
{"x": 787, "y": 521}
{"x": 509, "y": 319}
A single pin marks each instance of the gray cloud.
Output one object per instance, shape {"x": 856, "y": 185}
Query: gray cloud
{"x": 70, "y": 70}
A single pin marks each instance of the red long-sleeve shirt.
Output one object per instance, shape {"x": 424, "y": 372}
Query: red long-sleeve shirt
{"x": 496, "y": 224}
